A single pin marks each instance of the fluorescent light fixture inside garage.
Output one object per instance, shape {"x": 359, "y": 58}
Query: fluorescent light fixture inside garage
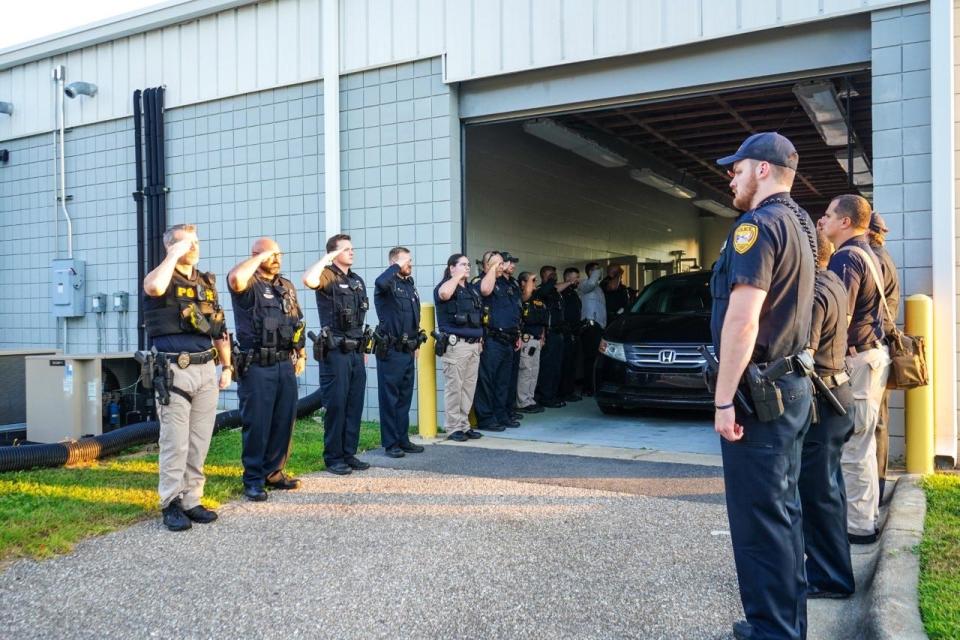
{"x": 716, "y": 208}
{"x": 555, "y": 133}
{"x": 820, "y": 101}
{"x": 657, "y": 181}
{"x": 861, "y": 168}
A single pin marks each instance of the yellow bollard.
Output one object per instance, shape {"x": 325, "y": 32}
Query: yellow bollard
{"x": 918, "y": 403}
{"x": 427, "y": 377}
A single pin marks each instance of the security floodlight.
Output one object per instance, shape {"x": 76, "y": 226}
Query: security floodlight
{"x": 657, "y": 181}
{"x": 75, "y": 89}
{"x": 555, "y": 133}
{"x": 7, "y": 108}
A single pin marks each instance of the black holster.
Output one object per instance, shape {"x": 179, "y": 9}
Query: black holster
{"x": 766, "y": 395}
{"x": 442, "y": 342}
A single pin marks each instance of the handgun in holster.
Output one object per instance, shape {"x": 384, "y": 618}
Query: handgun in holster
{"x": 711, "y": 371}
{"x": 766, "y": 395}
{"x": 319, "y": 343}
{"x": 806, "y": 362}
{"x": 442, "y": 342}
{"x": 240, "y": 359}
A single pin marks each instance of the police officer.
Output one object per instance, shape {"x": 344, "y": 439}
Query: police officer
{"x": 342, "y": 305}
{"x": 891, "y": 291}
{"x": 615, "y": 293}
{"x": 460, "y": 325}
{"x": 509, "y": 267}
{"x": 570, "y": 302}
{"x": 594, "y": 317}
{"x": 398, "y": 307}
{"x": 501, "y": 337}
{"x": 271, "y": 354}
{"x": 548, "y": 384}
{"x": 186, "y": 326}
{"x": 762, "y": 287}
{"x": 822, "y": 494}
{"x": 535, "y": 319}
{"x": 845, "y": 224}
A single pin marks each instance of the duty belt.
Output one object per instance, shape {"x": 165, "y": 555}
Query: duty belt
{"x": 835, "y": 380}
{"x": 504, "y": 335}
{"x": 185, "y": 359}
{"x": 866, "y": 346}
{"x": 266, "y": 357}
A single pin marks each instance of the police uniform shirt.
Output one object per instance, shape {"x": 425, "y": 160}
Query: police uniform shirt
{"x": 863, "y": 294}
{"x": 768, "y": 248}
{"x": 504, "y": 305}
{"x": 272, "y": 303}
{"x": 339, "y": 292}
{"x": 397, "y": 303}
{"x": 571, "y": 308}
{"x": 534, "y": 316}
{"x": 547, "y": 292}
{"x": 891, "y": 286}
{"x": 828, "y": 329}
{"x": 179, "y": 342}
{"x": 445, "y": 321}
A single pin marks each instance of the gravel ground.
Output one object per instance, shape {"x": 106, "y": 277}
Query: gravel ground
{"x": 462, "y": 543}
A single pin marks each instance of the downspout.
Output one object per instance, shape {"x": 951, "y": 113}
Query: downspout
{"x": 63, "y": 170}
{"x": 330, "y": 40}
{"x": 943, "y": 212}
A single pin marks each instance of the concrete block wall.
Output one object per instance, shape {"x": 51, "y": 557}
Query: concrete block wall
{"x": 901, "y": 153}
{"x": 400, "y": 178}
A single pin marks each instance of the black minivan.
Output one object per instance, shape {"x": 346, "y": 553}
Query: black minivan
{"x": 649, "y": 354}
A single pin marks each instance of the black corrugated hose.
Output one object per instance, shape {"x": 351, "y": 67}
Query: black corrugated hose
{"x": 29, "y": 456}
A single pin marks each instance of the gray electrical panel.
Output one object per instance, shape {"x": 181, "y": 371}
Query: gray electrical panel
{"x": 67, "y": 279}
{"x": 121, "y": 301}
{"x": 98, "y": 303}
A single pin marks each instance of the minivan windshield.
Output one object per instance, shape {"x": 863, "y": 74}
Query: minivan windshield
{"x": 674, "y": 296}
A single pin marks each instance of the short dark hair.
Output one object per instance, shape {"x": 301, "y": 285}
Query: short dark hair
{"x": 335, "y": 240}
{"x": 854, "y": 207}
{"x": 591, "y": 266}
{"x": 824, "y": 250}
{"x": 396, "y": 251}
{"x": 570, "y": 270}
{"x": 545, "y": 268}
{"x": 524, "y": 276}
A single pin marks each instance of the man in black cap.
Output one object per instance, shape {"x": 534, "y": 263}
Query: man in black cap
{"x": 891, "y": 291}
{"x": 762, "y": 289}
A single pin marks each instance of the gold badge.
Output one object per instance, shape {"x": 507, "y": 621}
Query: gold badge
{"x": 744, "y": 237}
{"x": 183, "y": 360}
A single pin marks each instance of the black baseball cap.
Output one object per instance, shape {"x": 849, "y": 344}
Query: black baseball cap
{"x": 507, "y": 257}
{"x": 768, "y": 147}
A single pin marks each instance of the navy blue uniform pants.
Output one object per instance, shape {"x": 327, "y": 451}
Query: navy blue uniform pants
{"x": 343, "y": 379}
{"x": 268, "y": 410}
{"x": 551, "y": 359}
{"x": 589, "y": 344}
{"x": 824, "y": 498}
{"x": 395, "y": 389}
{"x": 568, "y": 368}
{"x": 490, "y": 402}
{"x": 760, "y": 473}
{"x": 514, "y": 379}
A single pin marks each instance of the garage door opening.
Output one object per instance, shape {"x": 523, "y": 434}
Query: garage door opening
{"x": 637, "y": 185}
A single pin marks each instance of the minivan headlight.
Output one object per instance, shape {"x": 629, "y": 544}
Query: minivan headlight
{"x": 613, "y": 350}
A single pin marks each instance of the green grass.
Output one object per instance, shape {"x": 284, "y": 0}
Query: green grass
{"x": 940, "y": 558}
{"x": 46, "y": 511}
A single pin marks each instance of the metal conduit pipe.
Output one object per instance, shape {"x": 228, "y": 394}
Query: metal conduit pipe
{"x": 30, "y": 456}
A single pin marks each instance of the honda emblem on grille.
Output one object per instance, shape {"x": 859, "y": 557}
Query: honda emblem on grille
{"x": 667, "y": 356}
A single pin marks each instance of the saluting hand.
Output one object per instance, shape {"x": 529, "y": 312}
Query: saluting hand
{"x": 180, "y": 248}
{"x": 330, "y": 257}
{"x": 725, "y": 423}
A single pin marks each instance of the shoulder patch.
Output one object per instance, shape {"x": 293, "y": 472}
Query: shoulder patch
{"x": 744, "y": 237}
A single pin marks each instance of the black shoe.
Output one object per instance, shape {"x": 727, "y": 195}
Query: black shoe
{"x": 512, "y": 424}
{"x": 357, "y": 464}
{"x": 340, "y": 469}
{"x": 556, "y": 404}
{"x": 458, "y": 436}
{"x": 284, "y": 483}
{"x": 394, "y": 452}
{"x": 530, "y": 408}
{"x": 576, "y": 397}
{"x": 817, "y": 594}
{"x": 742, "y": 630}
{"x": 174, "y": 518}
{"x": 201, "y": 514}
{"x": 494, "y": 427}
{"x": 473, "y": 435}
{"x": 409, "y": 447}
{"x": 255, "y": 494}
{"x": 863, "y": 539}
{"x": 516, "y": 416}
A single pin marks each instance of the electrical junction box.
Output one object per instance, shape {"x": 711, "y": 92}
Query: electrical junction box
{"x": 67, "y": 279}
{"x": 121, "y": 301}
{"x": 98, "y": 303}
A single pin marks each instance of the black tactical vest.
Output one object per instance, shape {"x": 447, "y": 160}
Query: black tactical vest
{"x": 535, "y": 313}
{"x": 463, "y": 309}
{"x": 275, "y": 320}
{"x": 188, "y": 306}
{"x": 343, "y": 305}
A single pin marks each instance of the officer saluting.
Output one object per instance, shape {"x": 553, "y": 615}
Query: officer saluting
{"x": 762, "y": 289}
{"x": 184, "y": 322}
{"x": 270, "y": 337}
{"x": 342, "y": 305}
{"x": 398, "y": 307}
{"x": 822, "y": 493}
